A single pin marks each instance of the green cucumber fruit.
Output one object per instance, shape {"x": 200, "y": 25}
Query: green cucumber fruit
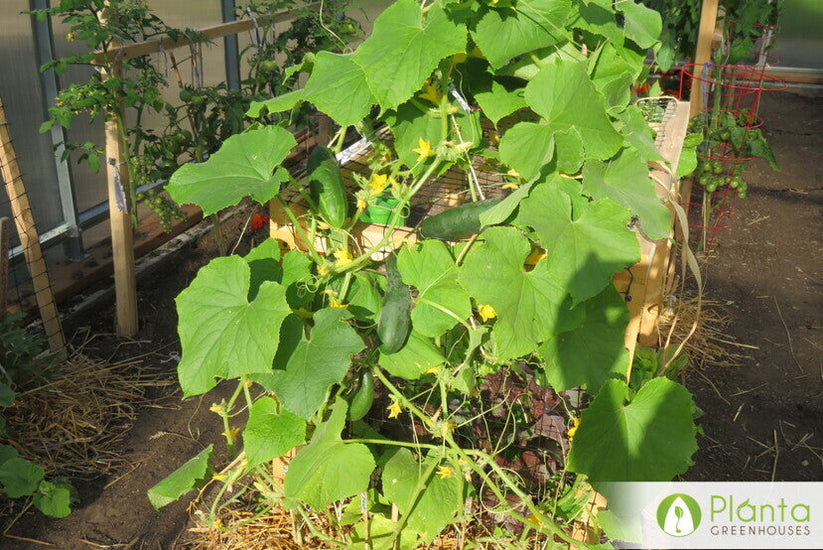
{"x": 458, "y": 222}
{"x": 326, "y": 186}
{"x": 394, "y": 319}
{"x": 363, "y": 398}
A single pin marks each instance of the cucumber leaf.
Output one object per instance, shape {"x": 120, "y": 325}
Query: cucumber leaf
{"x": 434, "y": 507}
{"x": 414, "y": 359}
{"x": 529, "y": 305}
{"x": 328, "y": 469}
{"x": 592, "y": 352}
{"x": 651, "y": 438}
{"x": 246, "y": 165}
{"x": 584, "y": 252}
{"x": 430, "y": 268}
{"x": 270, "y": 434}
{"x": 641, "y": 24}
{"x": 53, "y": 498}
{"x": 625, "y": 180}
{"x": 566, "y": 98}
{"x": 404, "y": 48}
{"x": 222, "y": 333}
{"x": 503, "y": 33}
{"x": 317, "y": 362}
{"x": 20, "y": 477}
{"x": 184, "y": 479}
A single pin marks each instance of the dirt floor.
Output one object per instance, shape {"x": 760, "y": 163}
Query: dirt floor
{"x": 763, "y": 418}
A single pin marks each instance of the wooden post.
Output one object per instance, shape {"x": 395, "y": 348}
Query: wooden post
{"x": 4, "y": 263}
{"x": 120, "y": 219}
{"x": 708, "y": 21}
{"x": 29, "y": 239}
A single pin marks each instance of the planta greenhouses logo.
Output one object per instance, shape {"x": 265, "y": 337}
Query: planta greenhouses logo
{"x": 678, "y": 515}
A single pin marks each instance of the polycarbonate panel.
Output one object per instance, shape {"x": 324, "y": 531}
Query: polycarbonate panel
{"x": 800, "y": 35}
{"x": 23, "y": 101}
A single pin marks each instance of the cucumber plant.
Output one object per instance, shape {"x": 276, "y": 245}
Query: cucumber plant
{"x": 439, "y": 320}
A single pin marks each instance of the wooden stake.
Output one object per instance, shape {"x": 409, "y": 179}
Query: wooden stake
{"x": 121, "y": 221}
{"x": 29, "y": 238}
{"x": 708, "y": 21}
{"x": 4, "y": 262}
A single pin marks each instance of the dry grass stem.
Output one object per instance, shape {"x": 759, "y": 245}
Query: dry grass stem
{"x": 776, "y": 455}
{"x": 709, "y": 344}
{"x": 788, "y": 335}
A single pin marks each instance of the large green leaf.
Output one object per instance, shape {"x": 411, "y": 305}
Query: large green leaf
{"x": 246, "y": 165}
{"x": 585, "y": 251}
{"x": 430, "y": 268}
{"x": 641, "y": 24}
{"x": 337, "y": 86}
{"x": 593, "y": 352}
{"x": 404, "y": 48}
{"x": 649, "y": 439}
{"x": 20, "y": 477}
{"x": 527, "y": 147}
{"x": 597, "y": 17}
{"x": 526, "y": 25}
{"x": 328, "y": 469}
{"x": 297, "y": 277}
{"x": 497, "y": 97}
{"x": 222, "y": 333}
{"x": 626, "y": 181}
{"x": 613, "y": 76}
{"x": 438, "y": 500}
{"x": 528, "y": 304}
{"x": 566, "y": 98}
{"x": 317, "y": 362}
{"x": 7, "y": 395}
{"x": 184, "y": 479}
{"x": 414, "y": 359}
{"x": 269, "y": 433}
{"x": 264, "y": 264}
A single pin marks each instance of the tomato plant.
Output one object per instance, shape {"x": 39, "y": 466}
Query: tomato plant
{"x": 530, "y": 292}
{"x": 206, "y": 116}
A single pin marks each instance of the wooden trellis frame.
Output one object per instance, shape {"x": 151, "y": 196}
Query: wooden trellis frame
{"x": 122, "y": 233}
{"x": 29, "y": 238}
{"x": 705, "y": 36}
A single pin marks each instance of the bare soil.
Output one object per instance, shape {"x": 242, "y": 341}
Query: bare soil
{"x": 762, "y": 418}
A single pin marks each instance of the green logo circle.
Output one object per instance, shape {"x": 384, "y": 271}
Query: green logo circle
{"x": 678, "y": 515}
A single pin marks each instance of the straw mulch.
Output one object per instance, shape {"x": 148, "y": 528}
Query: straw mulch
{"x": 69, "y": 421}
{"x": 710, "y": 344}
{"x": 277, "y": 530}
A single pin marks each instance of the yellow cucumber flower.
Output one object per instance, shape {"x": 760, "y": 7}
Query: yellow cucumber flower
{"x": 424, "y": 149}
{"x": 486, "y": 312}
{"x": 343, "y": 257}
{"x": 334, "y": 303}
{"x": 378, "y": 183}
{"x": 394, "y": 408}
{"x": 574, "y": 426}
{"x": 431, "y": 93}
{"x": 444, "y": 471}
